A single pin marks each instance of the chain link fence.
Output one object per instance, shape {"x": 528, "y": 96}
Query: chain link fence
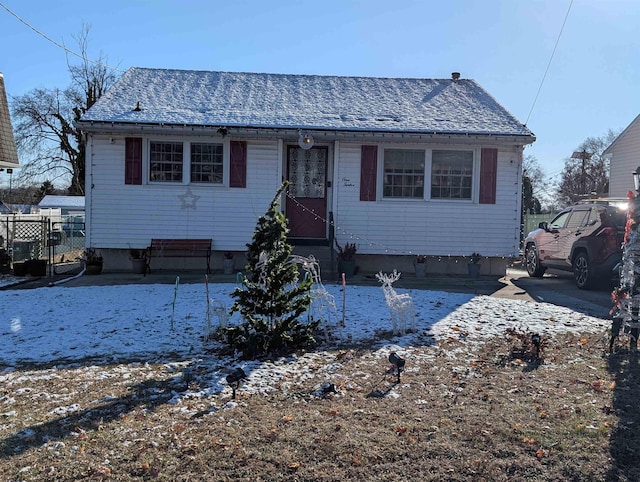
{"x": 40, "y": 246}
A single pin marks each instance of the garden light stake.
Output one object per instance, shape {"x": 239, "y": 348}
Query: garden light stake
{"x": 173, "y": 305}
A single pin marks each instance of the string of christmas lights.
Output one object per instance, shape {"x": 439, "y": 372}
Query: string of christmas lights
{"x": 390, "y": 251}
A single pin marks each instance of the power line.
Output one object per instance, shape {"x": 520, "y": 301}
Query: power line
{"x": 549, "y": 64}
{"x": 67, "y": 50}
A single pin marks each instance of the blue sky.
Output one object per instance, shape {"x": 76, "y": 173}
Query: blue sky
{"x": 505, "y": 45}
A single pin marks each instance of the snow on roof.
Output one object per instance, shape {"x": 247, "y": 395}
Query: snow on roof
{"x": 259, "y": 100}
{"x": 53, "y": 201}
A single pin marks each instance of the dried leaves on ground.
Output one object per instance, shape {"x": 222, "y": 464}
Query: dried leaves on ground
{"x": 500, "y": 410}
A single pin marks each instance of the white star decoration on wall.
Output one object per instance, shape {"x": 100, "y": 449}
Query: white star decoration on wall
{"x": 188, "y": 200}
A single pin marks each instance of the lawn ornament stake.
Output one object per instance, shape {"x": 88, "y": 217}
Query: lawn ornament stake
{"x": 400, "y": 305}
{"x": 398, "y": 364}
{"x": 234, "y": 379}
{"x": 173, "y": 305}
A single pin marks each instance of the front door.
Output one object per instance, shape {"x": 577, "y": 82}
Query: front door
{"x": 306, "y": 207}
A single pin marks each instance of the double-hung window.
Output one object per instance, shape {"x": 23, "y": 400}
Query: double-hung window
{"x": 206, "y": 163}
{"x": 166, "y": 161}
{"x": 451, "y": 174}
{"x": 196, "y": 162}
{"x": 404, "y": 173}
{"x": 449, "y": 171}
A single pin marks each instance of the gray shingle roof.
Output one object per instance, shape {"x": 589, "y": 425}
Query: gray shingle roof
{"x": 8, "y": 154}
{"x": 230, "y": 99}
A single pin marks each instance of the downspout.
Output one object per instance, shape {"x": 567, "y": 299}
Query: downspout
{"x": 519, "y": 202}
{"x": 79, "y": 275}
{"x": 88, "y": 188}
{"x": 334, "y": 202}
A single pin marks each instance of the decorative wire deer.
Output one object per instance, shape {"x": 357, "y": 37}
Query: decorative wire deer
{"x": 323, "y": 304}
{"x": 400, "y": 305}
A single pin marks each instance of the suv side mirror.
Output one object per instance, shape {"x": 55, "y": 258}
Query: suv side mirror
{"x": 544, "y": 225}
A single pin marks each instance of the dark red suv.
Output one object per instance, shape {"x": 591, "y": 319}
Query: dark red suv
{"x": 585, "y": 238}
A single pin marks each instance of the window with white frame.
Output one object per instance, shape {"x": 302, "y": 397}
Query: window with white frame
{"x": 451, "y": 174}
{"x": 206, "y": 163}
{"x": 165, "y": 161}
{"x": 177, "y": 161}
{"x": 403, "y": 173}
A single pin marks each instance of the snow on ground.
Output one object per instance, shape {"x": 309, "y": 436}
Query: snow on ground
{"x": 92, "y": 326}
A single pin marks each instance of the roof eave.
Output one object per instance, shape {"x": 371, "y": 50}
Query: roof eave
{"x": 9, "y": 165}
{"x": 320, "y": 132}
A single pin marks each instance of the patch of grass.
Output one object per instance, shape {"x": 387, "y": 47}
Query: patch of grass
{"x": 460, "y": 413}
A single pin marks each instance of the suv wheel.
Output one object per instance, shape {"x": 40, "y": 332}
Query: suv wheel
{"x": 532, "y": 262}
{"x": 582, "y": 272}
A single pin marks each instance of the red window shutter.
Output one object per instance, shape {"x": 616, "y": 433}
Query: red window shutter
{"x": 488, "y": 175}
{"x": 368, "y": 173}
{"x": 133, "y": 160}
{"x": 238, "y": 164}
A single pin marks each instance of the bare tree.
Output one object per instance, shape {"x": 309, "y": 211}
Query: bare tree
{"x": 588, "y": 175}
{"x": 44, "y": 120}
{"x": 533, "y": 185}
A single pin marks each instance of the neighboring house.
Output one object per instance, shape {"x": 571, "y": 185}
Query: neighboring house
{"x": 68, "y": 205}
{"x": 8, "y": 153}
{"x": 624, "y": 158}
{"x": 397, "y": 166}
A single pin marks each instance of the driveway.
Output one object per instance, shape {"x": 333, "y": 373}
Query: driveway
{"x": 557, "y": 288}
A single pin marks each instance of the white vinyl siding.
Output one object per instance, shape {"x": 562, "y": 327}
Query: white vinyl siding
{"x": 625, "y": 159}
{"x": 440, "y": 227}
{"x": 128, "y": 216}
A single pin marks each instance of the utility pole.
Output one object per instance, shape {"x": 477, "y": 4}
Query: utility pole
{"x": 10, "y": 172}
{"x": 585, "y": 156}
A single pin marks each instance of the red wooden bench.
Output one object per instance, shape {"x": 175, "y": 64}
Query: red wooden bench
{"x": 179, "y": 248}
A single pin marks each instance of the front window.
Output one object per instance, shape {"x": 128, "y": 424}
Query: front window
{"x": 451, "y": 174}
{"x": 403, "y": 174}
{"x": 206, "y": 163}
{"x": 165, "y": 161}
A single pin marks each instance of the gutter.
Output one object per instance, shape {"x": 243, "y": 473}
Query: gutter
{"x": 319, "y": 133}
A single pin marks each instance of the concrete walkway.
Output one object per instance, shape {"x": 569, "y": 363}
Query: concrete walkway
{"x": 515, "y": 284}
{"x": 486, "y": 285}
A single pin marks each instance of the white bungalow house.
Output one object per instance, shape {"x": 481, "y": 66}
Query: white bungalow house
{"x": 397, "y": 166}
{"x": 624, "y": 155}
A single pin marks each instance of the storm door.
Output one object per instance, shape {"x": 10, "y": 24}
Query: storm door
{"x": 306, "y": 207}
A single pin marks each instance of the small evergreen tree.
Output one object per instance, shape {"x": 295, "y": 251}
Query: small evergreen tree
{"x": 272, "y": 299}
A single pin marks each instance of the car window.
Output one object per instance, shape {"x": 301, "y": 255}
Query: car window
{"x": 560, "y": 220}
{"x": 618, "y": 217}
{"x": 577, "y": 219}
{"x": 594, "y": 216}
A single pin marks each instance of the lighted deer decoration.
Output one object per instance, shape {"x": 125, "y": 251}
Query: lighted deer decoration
{"x": 400, "y": 305}
{"x": 323, "y": 304}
